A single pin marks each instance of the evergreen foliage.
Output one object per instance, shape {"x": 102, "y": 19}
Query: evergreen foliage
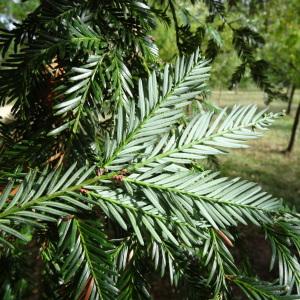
{"x": 101, "y": 173}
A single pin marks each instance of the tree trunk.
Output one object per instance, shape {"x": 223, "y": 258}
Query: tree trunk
{"x": 290, "y": 99}
{"x": 294, "y": 130}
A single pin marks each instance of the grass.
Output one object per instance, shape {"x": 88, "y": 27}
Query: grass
{"x": 264, "y": 162}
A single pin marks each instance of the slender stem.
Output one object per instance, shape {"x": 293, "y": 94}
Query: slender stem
{"x": 80, "y": 108}
{"x": 87, "y": 256}
{"x": 194, "y": 195}
{"x": 189, "y": 145}
{"x": 136, "y": 209}
{"x": 44, "y": 198}
{"x": 152, "y": 112}
{"x": 86, "y": 92}
{"x": 173, "y": 11}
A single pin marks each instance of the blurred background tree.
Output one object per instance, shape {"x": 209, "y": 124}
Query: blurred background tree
{"x": 281, "y": 24}
{"x": 259, "y": 40}
{"x": 12, "y": 11}
{"x": 224, "y": 33}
